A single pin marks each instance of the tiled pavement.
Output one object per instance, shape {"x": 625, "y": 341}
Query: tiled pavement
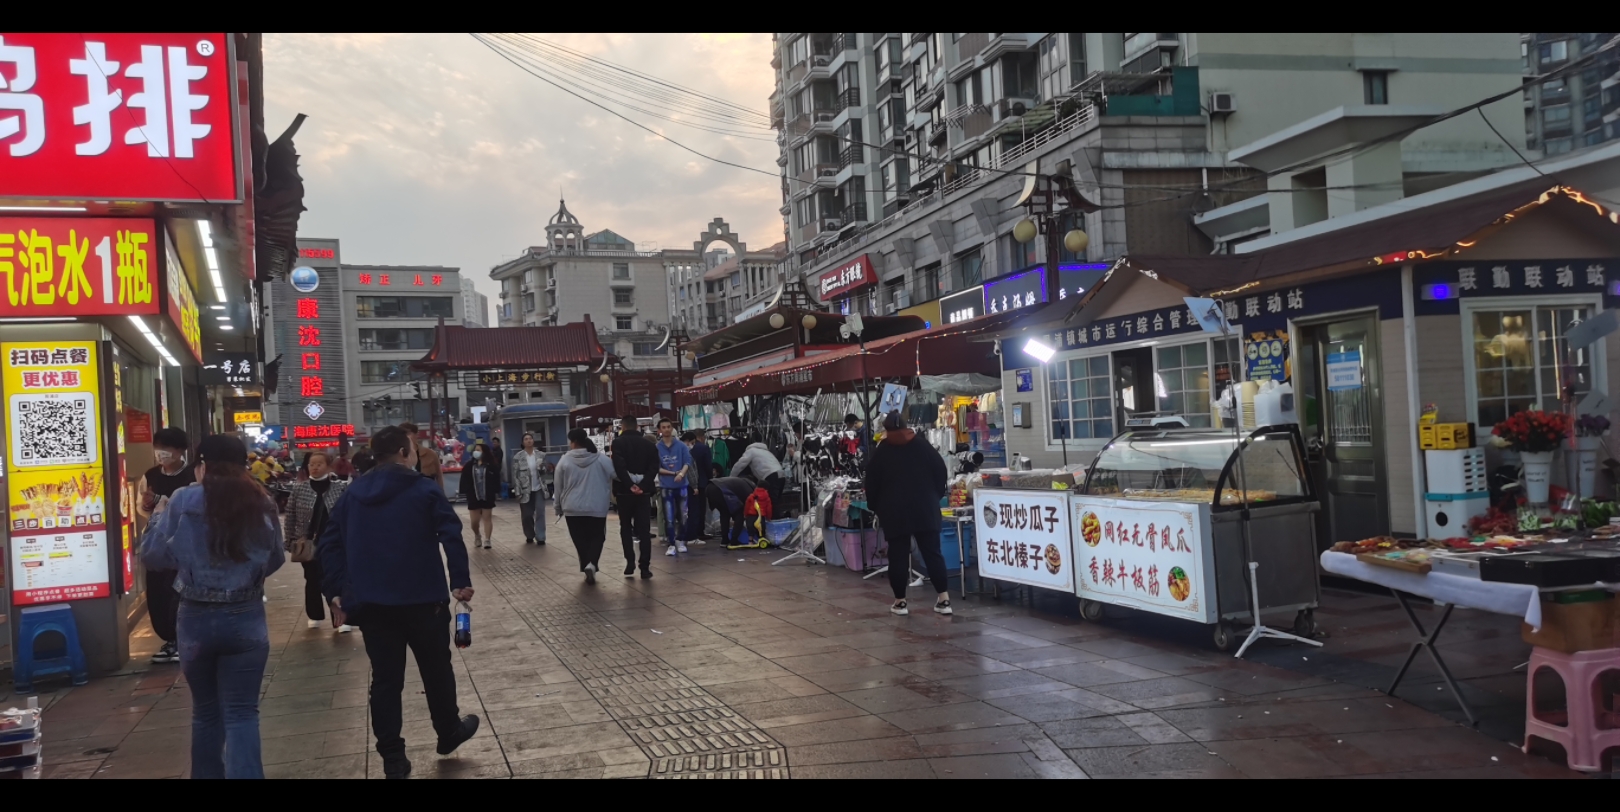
{"x": 722, "y": 665}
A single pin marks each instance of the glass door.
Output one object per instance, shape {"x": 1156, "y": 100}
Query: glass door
{"x": 1342, "y": 425}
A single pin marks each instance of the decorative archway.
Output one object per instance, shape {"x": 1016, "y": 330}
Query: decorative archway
{"x": 720, "y": 231}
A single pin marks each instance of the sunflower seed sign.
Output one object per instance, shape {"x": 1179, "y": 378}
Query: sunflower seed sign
{"x": 1023, "y": 537}
{"x": 1150, "y": 556}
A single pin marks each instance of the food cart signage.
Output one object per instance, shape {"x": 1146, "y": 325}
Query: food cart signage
{"x": 1148, "y": 556}
{"x": 847, "y": 278}
{"x": 1023, "y": 537}
{"x": 517, "y": 377}
{"x": 57, "y": 514}
{"x": 129, "y": 116}
{"x": 76, "y": 266}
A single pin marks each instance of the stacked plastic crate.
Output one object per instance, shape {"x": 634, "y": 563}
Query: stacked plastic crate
{"x": 20, "y": 741}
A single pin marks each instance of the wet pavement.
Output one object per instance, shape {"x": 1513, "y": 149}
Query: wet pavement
{"x": 724, "y": 666}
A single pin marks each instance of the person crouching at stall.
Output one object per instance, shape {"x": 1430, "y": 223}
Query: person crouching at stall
{"x": 758, "y": 461}
{"x": 904, "y": 483}
{"x": 727, "y": 495}
{"x": 584, "y": 488}
{"x": 480, "y": 484}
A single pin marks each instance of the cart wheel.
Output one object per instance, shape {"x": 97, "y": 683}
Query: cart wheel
{"x": 1091, "y": 610}
{"x": 1305, "y": 624}
{"x": 1222, "y": 636}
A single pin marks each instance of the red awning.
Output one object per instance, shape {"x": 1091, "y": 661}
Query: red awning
{"x": 567, "y": 345}
{"x": 944, "y": 350}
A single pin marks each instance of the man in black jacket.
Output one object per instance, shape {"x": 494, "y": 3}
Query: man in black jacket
{"x": 635, "y": 466}
{"x": 904, "y": 483}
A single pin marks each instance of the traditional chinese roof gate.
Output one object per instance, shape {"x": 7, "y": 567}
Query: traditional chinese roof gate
{"x": 521, "y": 350}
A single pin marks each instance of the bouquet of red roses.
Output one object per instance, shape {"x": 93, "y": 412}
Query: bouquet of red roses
{"x": 1533, "y": 432}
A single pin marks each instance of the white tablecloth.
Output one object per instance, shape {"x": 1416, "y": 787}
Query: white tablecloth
{"x": 1520, "y": 600}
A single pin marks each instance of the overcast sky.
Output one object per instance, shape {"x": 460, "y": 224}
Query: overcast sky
{"x": 432, "y": 149}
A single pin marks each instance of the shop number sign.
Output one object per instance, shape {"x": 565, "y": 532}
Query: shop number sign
{"x": 1147, "y": 556}
{"x": 57, "y": 517}
{"x": 1023, "y": 537}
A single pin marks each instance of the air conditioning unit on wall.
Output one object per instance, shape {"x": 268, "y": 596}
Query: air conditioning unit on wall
{"x": 1222, "y": 103}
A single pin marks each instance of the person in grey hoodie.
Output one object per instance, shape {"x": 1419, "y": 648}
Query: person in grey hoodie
{"x": 758, "y": 462}
{"x": 584, "y": 485}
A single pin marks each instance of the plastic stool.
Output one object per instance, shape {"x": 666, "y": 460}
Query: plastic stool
{"x": 1583, "y": 737}
{"x": 35, "y": 621}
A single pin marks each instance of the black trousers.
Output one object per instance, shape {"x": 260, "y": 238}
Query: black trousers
{"x": 900, "y": 560}
{"x": 589, "y": 534}
{"x": 773, "y": 486}
{"x": 635, "y": 516}
{"x": 314, "y": 601}
{"x": 162, "y": 603}
{"x": 425, "y": 629}
{"x": 731, "y": 524}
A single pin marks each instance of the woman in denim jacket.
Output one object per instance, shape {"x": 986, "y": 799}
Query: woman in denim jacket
{"x": 222, "y": 538}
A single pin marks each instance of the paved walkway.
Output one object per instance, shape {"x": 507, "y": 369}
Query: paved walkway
{"x": 723, "y": 665}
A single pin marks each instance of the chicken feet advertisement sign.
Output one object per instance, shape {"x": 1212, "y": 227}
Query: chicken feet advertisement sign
{"x": 1151, "y": 556}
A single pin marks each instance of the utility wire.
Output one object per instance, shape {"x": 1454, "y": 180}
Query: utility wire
{"x": 652, "y": 79}
{"x": 642, "y": 94}
{"x": 616, "y": 113}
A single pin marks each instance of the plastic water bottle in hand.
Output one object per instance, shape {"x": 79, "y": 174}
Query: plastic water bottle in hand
{"x": 463, "y": 624}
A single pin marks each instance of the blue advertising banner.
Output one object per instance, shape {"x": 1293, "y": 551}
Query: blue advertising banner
{"x": 1440, "y": 285}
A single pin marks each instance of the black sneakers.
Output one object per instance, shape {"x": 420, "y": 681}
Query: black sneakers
{"x": 630, "y": 569}
{"x": 167, "y": 654}
{"x": 469, "y": 726}
{"x": 396, "y": 766}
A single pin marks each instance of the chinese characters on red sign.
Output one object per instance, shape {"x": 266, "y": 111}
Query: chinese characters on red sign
{"x": 417, "y": 280}
{"x": 309, "y": 386}
{"x": 77, "y": 266}
{"x": 117, "y": 117}
{"x": 302, "y": 432}
{"x": 317, "y": 253}
{"x": 847, "y": 278}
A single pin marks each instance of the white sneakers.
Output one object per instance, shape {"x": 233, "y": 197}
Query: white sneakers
{"x": 943, "y": 607}
{"x": 677, "y": 547}
{"x": 899, "y": 608}
{"x": 670, "y": 551}
{"x": 314, "y": 624}
{"x": 345, "y": 629}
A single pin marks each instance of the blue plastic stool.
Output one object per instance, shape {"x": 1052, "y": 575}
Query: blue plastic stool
{"x": 35, "y": 621}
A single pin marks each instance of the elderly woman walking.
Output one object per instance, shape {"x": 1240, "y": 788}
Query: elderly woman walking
{"x": 308, "y": 507}
{"x": 529, "y": 486}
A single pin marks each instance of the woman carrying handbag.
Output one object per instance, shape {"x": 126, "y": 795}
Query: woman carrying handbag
{"x": 308, "y": 507}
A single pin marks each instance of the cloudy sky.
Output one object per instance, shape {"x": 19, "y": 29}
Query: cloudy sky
{"x": 433, "y": 149}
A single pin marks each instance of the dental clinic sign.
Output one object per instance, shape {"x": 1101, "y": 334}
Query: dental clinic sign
{"x": 134, "y": 117}
{"x": 857, "y": 274}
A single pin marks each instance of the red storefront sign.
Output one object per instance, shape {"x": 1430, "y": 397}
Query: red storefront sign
{"x": 848, "y": 278}
{"x": 117, "y": 117}
{"x": 417, "y": 280}
{"x": 334, "y": 430}
{"x": 76, "y": 266}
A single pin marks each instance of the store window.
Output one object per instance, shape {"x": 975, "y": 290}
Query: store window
{"x": 1520, "y": 359}
{"x": 397, "y": 338}
{"x": 395, "y": 307}
{"x": 1080, "y": 400}
{"x": 1181, "y": 381}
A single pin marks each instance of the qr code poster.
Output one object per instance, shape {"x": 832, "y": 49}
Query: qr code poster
{"x": 54, "y": 417}
{"x": 51, "y": 429}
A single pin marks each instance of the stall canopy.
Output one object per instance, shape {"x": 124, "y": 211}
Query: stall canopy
{"x": 601, "y": 415}
{"x": 956, "y": 348}
{"x": 566, "y": 345}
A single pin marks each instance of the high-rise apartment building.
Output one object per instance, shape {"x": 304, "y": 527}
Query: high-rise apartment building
{"x": 1577, "y": 110}
{"x": 474, "y": 305}
{"x": 906, "y": 153}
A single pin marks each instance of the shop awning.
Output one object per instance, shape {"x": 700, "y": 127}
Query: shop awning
{"x": 942, "y": 350}
{"x": 604, "y": 414}
{"x": 456, "y": 347}
{"x": 1415, "y": 235}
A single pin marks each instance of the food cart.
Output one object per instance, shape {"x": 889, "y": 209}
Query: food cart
{"x": 1158, "y": 526}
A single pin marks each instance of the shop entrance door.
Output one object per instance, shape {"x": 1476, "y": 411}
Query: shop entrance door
{"x": 1133, "y": 385}
{"x": 1341, "y": 417}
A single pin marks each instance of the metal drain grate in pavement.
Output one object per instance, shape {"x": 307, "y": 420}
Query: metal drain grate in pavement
{"x": 684, "y": 729}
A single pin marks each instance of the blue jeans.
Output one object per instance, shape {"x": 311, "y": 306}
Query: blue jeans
{"x": 223, "y": 650}
{"x": 674, "y": 513}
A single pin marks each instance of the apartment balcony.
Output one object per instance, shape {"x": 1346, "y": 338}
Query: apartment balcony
{"x": 970, "y": 45}
{"x": 1148, "y": 53}
{"x": 820, "y": 68}
{"x": 825, "y": 175}
{"x": 854, "y": 214}
{"x": 1004, "y": 44}
{"x": 851, "y": 156}
{"x": 821, "y": 122}
{"x": 851, "y": 97}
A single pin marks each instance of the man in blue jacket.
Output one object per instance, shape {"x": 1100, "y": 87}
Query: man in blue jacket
{"x": 383, "y": 573}
{"x": 674, "y": 480}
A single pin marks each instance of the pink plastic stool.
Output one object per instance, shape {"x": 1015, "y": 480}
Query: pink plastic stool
{"x": 1590, "y": 730}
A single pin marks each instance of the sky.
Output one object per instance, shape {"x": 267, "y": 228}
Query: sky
{"x": 432, "y": 149}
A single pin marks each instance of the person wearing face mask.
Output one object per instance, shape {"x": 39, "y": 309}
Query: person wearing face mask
{"x": 480, "y": 484}
{"x": 169, "y": 475}
{"x": 308, "y": 508}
